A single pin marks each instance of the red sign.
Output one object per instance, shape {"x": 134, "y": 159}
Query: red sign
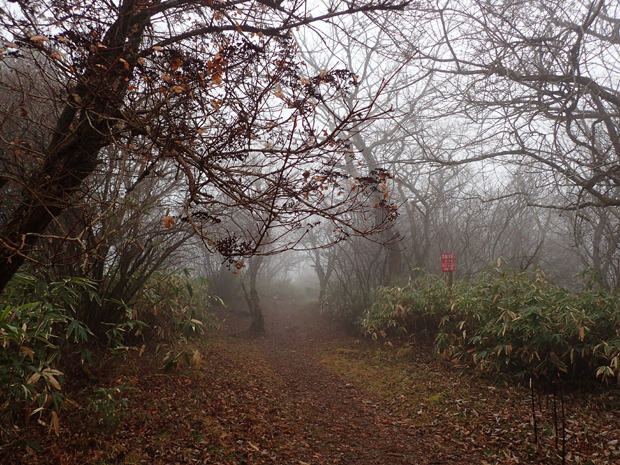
{"x": 448, "y": 262}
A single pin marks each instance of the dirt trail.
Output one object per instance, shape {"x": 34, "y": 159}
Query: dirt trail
{"x": 254, "y": 400}
{"x": 276, "y": 399}
{"x": 341, "y": 424}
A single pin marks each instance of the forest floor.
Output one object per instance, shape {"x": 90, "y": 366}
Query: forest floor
{"x": 306, "y": 393}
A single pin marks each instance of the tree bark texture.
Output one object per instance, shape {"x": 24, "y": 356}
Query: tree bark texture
{"x": 257, "y": 325}
{"x": 84, "y": 127}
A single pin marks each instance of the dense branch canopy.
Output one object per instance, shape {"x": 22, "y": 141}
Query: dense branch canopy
{"x": 215, "y": 86}
{"x": 536, "y": 83}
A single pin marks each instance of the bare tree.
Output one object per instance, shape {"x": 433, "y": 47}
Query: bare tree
{"x": 366, "y": 46}
{"x": 596, "y": 240}
{"x": 323, "y": 259}
{"x": 533, "y": 83}
{"x": 257, "y": 324}
{"x": 530, "y": 88}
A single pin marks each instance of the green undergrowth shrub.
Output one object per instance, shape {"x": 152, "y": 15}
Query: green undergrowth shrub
{"x": 37, "y": 320}
{"x": 107, "y": 404}
{"x": 40, "y": 321}
{"x": 175, "y": 305}
{"x": 345, "y": 305}
{"x": 520, "y": 323}
{"x": 175, "y": 308}
{"x": 415, "y": 308}
{"x": 507, "y": 323}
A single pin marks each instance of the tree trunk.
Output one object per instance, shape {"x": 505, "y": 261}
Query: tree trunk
{"x": 256, "y": 313}
{"x": 394, "y": 259}
{"x": 323, "y": 273}
{"x": 84, "y": 127}
{"x": 46, "y": 195}
{"x": 322, "y": 288}
{"x": 258, "y": 320}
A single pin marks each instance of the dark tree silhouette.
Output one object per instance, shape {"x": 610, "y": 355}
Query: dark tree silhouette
{"x": 215, "y": 86}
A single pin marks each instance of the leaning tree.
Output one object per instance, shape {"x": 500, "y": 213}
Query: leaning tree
{"x": 216, "y": 87}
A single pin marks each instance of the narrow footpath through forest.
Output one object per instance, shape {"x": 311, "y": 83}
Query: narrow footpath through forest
{"x": 307, "y": 393}
{"x": 342, "y": 424}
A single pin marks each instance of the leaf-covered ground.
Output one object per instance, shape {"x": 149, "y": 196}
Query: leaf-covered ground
{"x": 306, "y": 393}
